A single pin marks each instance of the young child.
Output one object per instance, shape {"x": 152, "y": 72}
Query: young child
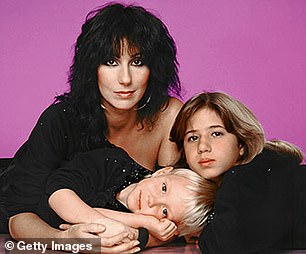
{"x": 261, "y": 201}
{"x": 110, "y": 180}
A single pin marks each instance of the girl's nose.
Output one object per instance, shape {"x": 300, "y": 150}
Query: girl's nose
{"x": 125, "y": 76}
{"x": 204, "y": 146}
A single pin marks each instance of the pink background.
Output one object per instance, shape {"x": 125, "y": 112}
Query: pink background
{"x": 253, "y": 50}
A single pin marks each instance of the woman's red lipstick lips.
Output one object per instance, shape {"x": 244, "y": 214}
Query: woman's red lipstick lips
{"x": 124, "y": 94}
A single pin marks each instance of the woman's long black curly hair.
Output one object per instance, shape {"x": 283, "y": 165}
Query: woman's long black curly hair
{"x": 100, "y": 40}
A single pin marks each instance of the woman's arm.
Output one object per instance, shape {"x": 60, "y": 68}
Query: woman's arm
{"x": 83, "y": 233}
{"x": 20, "y": 223}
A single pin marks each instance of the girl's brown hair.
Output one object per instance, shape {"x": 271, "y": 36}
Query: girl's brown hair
{"x": 237, "y": 119}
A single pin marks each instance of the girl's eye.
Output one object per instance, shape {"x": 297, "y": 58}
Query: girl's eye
{"x": 137, "y": 62}
{"x": 192, "y": 138}
{"x": 111, "y": 62}
{"x": 217, "y": 134}
{"x": 165, "y": 212}
{"x": 164, "y": 188}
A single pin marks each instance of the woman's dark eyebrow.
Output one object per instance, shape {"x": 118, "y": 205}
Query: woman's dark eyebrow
{"x": 136, "y": 55}
{"x": 131, "y": 56}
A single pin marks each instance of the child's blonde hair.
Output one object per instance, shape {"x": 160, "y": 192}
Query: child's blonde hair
{"x": 199, "y": 205}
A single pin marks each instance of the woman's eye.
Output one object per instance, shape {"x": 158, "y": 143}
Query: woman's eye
{"x": 192, "y": 139}
{"x": 137, "y": 62}
{"x": 111, "y": 62}
{"x": 165, "y": 212}
{"x": 164, "y": 188}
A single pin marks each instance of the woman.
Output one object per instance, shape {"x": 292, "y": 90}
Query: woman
{"x": 261, "y": 201}
{"x": 109, "y": 179}
{"x": 123, "y": 70}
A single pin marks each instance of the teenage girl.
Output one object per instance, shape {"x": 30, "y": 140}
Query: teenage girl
{"x": 261, "y": 202}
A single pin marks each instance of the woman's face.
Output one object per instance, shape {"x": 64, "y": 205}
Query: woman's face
{"x": 209, "y": 149}
{"x": 161, "y": 196}
{"x": 123, "y": 81}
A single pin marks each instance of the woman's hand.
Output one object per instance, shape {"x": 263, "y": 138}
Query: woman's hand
{"x": 92, "y": 234}
{"x": 114, "y": 227}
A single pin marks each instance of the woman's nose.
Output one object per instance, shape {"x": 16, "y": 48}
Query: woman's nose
{"x": 124, "y": 76}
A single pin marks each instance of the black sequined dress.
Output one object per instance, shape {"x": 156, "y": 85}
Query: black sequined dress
{"x": 96, "y": 176}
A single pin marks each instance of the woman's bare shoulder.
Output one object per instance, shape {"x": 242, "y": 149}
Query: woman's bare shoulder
{"x": 174, "y": 106}
{"x": 170, "y": 112}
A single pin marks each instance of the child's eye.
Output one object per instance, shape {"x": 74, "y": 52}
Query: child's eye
{"x": 165, "y": 212}
{"x": 111, "y": 62}
{"x": 137, "y": 62}
{"x": 217, "y": 134}
{"x": 192, "y": 138}
{"x": 164, "y": 188}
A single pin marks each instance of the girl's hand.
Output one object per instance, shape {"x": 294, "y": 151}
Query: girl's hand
{"x": 92, "y": 235}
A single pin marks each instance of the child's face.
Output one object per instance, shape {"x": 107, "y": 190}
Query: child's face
{"x": 209, "y": 149}
{"x": 161, "y": 196}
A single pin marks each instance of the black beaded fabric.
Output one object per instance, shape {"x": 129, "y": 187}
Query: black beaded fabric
{"x": 134, "y": 173}
{"x": 96, "y": 177}
{"x": 210, "y": 217}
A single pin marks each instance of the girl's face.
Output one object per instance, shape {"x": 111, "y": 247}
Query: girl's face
{"x": 123, "y": 81}
{"x": 209, "y": 149}
{"x": 161, "y": 196}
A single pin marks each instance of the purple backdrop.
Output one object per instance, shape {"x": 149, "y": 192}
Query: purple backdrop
{"x": 253, "y": 50}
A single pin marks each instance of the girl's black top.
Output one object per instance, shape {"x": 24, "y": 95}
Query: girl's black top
{"x": 259, "y": 208}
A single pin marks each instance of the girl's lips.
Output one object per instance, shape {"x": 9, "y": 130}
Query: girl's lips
{"x": 206, "y": 162}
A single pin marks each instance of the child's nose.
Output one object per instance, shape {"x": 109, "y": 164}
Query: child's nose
{"x": 152, "y": 206}
{"x": 204, "y": 146}
{"x": 150, "y": 201}
{"x": 155, "y": 200}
